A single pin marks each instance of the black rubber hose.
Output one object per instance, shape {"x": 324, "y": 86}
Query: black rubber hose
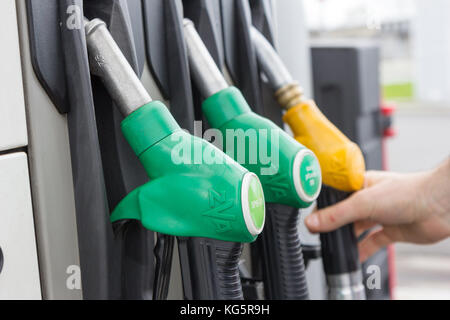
{"x": 210, "y": 269}
{"x": 340, "y": 247}
{"x": 282, "y": 259}
{"x": 163, "y": 253}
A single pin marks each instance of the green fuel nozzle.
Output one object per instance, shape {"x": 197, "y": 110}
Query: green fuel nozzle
{"x": 291, "y": 174}
{"x": 188, "y": 194}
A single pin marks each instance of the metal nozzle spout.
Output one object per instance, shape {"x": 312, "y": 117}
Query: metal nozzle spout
{"x": 107, "y": 61}
{"x": 204, "y": 70}
{"x": 269, "y": 61}
{"x": 287, "y": 91}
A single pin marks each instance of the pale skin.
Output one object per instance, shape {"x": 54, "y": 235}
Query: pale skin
{"x": 412, "y": 208}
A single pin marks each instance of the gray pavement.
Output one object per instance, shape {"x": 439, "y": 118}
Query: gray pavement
{"x": 423, "y": 140}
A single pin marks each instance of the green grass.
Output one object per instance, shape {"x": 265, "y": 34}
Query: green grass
{"x": 404, "y": 91}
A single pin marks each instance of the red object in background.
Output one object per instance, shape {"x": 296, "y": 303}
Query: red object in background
{"x": 387, "y": 111}
{"x": 390, "y": 132}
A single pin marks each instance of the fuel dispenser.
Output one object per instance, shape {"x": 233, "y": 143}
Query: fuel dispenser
{"x": 113, "y": 217}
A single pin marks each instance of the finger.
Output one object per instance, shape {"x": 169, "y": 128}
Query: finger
{"x": 357, "y": 207}
{"x": 376, "y": 241}
{"x": 372, "y": 178}
{"x": 362, "y": 226}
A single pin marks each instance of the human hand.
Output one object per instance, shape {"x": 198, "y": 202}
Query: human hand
{"x": 411, "y": 208}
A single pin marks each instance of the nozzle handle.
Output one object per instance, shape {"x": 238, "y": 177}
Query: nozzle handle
{"x": 340, "y": 254}
{"x": 210, "y": 271}
{"x": 163, "y": 252}
{"x": 282, "y": 256}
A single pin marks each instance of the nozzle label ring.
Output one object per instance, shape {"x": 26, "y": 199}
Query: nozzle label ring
{"x": 307, "y": 176}
{"x": 253, "y": 204}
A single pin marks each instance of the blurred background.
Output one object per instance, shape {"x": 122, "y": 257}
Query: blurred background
{"x": 414, "y": 38}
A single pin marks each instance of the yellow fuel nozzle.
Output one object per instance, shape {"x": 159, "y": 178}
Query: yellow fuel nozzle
{"x": 341, "y": 160}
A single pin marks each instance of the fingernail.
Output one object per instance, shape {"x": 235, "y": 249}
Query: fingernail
{"x": 313, "y": 221}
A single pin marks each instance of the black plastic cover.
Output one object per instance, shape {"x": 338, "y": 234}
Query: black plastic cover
{"x": 46, "y": 51}
{"x": 167, "y": 57}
